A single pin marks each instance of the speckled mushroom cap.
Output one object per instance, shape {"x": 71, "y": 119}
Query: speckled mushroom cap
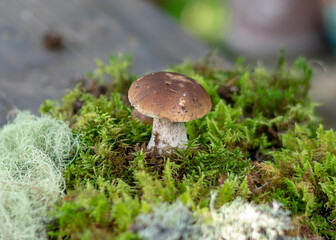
{"x": 170, "y": 96}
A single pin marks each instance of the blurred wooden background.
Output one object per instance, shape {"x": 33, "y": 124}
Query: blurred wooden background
{"x": 36, "y": 65}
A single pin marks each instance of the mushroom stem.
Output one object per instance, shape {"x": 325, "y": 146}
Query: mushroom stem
{"x": 167, "y": 135}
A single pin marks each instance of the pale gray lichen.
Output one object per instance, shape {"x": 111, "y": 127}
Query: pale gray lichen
{"x": 169, "y": 222}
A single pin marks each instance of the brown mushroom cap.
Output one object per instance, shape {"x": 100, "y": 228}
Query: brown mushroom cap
{"x": 170, "y": 96}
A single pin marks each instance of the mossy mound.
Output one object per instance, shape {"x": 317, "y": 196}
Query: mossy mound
{"x": 261, "y": 142}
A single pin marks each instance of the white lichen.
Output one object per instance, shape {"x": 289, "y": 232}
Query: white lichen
{"x": 248, "y": 221}
{"x": 33, "y": 153}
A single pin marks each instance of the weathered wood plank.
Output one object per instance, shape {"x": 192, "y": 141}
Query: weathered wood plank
{"x": 91, "y": 29}
{"x": 94, "y": 29}
{"x": 5, "y": 108}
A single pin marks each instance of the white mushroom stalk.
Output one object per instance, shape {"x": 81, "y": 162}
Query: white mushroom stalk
{"x": 167, "y": 135}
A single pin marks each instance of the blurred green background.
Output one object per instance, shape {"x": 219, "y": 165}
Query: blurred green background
{"x": 205, "y": 19}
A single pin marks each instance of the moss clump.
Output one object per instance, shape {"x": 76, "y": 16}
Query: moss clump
{"x": 257, "y": 144}
{"x": 302, "y": 176}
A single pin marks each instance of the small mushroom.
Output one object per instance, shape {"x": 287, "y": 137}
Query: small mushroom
{"x": 143, "y": 118}
{"x": 170, "y": 99}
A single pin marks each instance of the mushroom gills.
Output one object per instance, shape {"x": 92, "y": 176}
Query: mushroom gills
{"x": 168, "y": 135}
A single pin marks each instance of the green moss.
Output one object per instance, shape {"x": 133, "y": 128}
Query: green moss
{"x": 304, "y": 172}
{"x": 261, "y": 141}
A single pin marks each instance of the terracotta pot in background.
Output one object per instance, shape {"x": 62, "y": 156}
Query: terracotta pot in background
{"x": 260, "y": 27}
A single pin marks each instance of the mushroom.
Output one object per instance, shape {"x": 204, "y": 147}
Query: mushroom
{"x": 143, "y": 118}
{"x": 170, "y": 99}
